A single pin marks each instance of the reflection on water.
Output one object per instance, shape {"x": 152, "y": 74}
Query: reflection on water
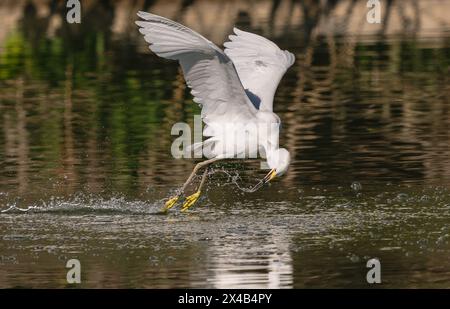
{"x": 85, "y": 164}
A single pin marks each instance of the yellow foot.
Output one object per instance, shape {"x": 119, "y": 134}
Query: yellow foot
{"x": 190, "y": 200}
{"x": 170, "y": 203}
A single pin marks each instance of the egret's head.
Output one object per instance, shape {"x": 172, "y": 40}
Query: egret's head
{"x": 278, "y": 161}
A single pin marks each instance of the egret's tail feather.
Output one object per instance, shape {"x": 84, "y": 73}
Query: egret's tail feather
{"x": 206, "y": 148}
{"x": 195, "y": 147}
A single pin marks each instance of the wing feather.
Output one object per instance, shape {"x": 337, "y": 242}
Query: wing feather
{"x": 260, "y": 64}
{"x": 208, "y": 71}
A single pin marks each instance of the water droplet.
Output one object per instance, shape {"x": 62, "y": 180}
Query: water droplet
{"x": 424, "y": 198}
{"x": 356, "y": 186}
{"x": 402, "y": 196}
{"x": 354, "y": 258}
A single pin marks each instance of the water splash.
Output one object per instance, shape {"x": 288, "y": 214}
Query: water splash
{"x": 234, "y": 178}
{"x": 13, "y": 208}
{"x": 87, "y": 203}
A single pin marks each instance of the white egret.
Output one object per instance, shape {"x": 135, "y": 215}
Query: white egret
{"x": 236, "y": 85}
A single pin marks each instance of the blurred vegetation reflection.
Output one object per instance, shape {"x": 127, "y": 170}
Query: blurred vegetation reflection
{"x": 85, "y": 103}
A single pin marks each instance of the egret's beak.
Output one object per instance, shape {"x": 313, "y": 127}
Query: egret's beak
{"x": 271, "y": 175}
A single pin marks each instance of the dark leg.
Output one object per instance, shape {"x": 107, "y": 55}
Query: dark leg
{"x": 172, "y": 201}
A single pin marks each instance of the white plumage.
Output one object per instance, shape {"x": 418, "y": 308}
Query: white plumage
{"x": 208, "y": 71}
{"x": 260, "y": 64}
{"x": 232, "y": 86}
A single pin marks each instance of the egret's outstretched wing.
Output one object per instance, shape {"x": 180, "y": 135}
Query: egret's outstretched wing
{"x": 208, "y": 71}
{"x": 260, "y": 64}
